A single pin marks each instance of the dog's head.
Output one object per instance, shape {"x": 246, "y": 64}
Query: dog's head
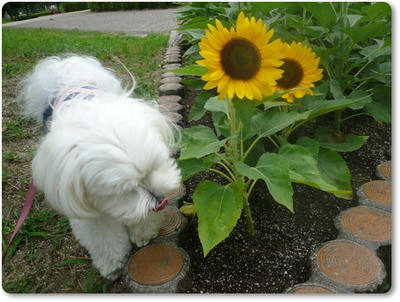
{"x": 110, "y": 155}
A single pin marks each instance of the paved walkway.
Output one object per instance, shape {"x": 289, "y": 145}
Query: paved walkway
{"x": 133, "y": 23}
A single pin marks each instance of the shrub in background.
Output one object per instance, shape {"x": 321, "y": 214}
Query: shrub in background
{"x": 115, "y": 6}
{"x": 74, "y": 6}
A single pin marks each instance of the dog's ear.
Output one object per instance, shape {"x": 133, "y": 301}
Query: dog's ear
{"x": 56, "y": 172}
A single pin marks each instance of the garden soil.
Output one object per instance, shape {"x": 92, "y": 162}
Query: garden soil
{"x": 278, "y": 257}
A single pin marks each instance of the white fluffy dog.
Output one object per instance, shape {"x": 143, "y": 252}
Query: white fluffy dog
{"x": 105, "y": 161}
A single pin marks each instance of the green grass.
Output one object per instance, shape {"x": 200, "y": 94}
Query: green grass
{"x": 44, "y": 256}
{"x": 22, "y": 48}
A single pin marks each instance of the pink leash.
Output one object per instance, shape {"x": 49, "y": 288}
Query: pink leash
{"x": 25, "y": 211}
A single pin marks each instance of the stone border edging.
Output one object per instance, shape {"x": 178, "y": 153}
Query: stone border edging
{"x": 170, "y": 104}
{"x": 366, "y": 246}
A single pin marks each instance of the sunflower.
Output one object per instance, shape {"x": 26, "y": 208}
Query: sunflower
{"x": 300, "y": 71}
{"x": 241, "y": 61}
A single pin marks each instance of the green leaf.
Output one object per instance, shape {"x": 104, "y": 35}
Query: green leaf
{"x": 191, "y": 70}
{"x": 381, "y": 107}
{"x": 310, "y": 144}
{"x": 218, "y": 209}
{"x": 328, "y": 139}
{"x": 245, "y": 110}
{"x": 271, "y": 104}
{"x": 197, "y": 111}
{"x": 199, "y": 141}
{"x": 371, "y": 30}
{"x": 316, "y": 31}
{"x": 360, "y": 93}
{"x": 197, "y": 84}
{"x": 195, "y": 33}
{"x": 322, "y": 11}
{"x": 304, "y": 168}
{"x": 271, "y": 121}
{"x": 192, "y": 166}
{"x": 320, "y": 107}
{"x": 353, "y": 19}
{"x": 335, "y": 172}
{"x": 335, "y": 89}
{"x": 215, "y": 105}
{"x": 221, "y": 123}
{"x": 377, "y": 10}
{"x": 375, "y": 51}
{"x": 274, "y": 170}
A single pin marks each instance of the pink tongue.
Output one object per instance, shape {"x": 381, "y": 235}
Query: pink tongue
{"x": 161, "y": 205}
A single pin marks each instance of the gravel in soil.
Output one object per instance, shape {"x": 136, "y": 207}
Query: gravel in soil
{"x": 279, "y": 255}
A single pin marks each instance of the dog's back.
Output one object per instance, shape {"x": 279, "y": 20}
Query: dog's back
{"x": 54, "y": 74}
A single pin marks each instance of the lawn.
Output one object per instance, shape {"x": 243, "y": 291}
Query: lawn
{"x": 45, "y": 257}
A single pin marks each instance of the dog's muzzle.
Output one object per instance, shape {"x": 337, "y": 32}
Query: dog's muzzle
{"x": 161, "y": 205}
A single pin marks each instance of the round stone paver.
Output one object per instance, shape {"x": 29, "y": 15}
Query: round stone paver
{"x": 155, "y": 264}
{"x": 305, "y": 288}
{"x": 171, "y": 107}
{"x": 384, "y": 170}
{"x": 170, "y": 89}
{"x": 171, "y": 221}
{"x": 173, "y": 197}
{"x": 170, "y": 80}
{"x": 366, "y": 225}
{"x": 169, "y": 99}
{"x": 349, "y": 266}
{"x": 377, "y": 193}
{"x": 169, "y": 67}
{"x": 168, "y": 74}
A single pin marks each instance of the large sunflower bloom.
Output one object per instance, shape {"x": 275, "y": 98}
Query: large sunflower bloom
{"x": 300, "y": 71}
{"x": 241, "y": 61}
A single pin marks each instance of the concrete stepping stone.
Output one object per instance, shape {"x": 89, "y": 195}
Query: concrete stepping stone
{"x": 174, "y": 38}
{"x": 159, "y": 268}
{"x": 172, "y": 58}
{"x": 174, "y": 117}
{"x": 310, "y": 288}
{"x": 170, "y": 89}
{"x": 175, "y": 196}
{"x": 347, "y": 266}
{"x": 368, "y": 226}
{"x": 171, "y": 107}
{"x": 169, "y": 99}
{"x": 168, "y": 74}
{"x": 173, "y": 226}
{"x": 376, "y": 193}
{"x": 169, "y": 67}
{"x": 384, "y": 170}
{"x": 174, "y": 79}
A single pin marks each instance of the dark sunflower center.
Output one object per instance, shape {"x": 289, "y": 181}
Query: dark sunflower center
{"x": 240, "y": 59}
{"x": 292, "y": 74}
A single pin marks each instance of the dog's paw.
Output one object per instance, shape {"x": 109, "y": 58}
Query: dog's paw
{"x": 140, "y": 237}
{"x": 111, "y": 273}
{"x": 139, "y": 242}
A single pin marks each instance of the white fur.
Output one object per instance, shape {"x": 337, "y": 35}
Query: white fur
{"x": 105, "y": 163}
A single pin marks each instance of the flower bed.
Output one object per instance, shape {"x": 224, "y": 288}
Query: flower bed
{"x": 265, "y": 125}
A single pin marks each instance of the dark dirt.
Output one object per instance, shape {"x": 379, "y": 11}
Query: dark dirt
{"x": 279, "y": 256}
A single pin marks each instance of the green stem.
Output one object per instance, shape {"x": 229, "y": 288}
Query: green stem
{"x": 251, "y": 147}
{"x": 354, "y": 115}
{"x": 234, "y": 141}
{"x": 227, "y": 163}
{"x": 228, "y": 170}
{"x": 249, "y": 218}
{"x": 251, "y": 187}
{"x": 255, "y": 142}
{"x": 338, "y": 120}
{"x": 222, "y": 174}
